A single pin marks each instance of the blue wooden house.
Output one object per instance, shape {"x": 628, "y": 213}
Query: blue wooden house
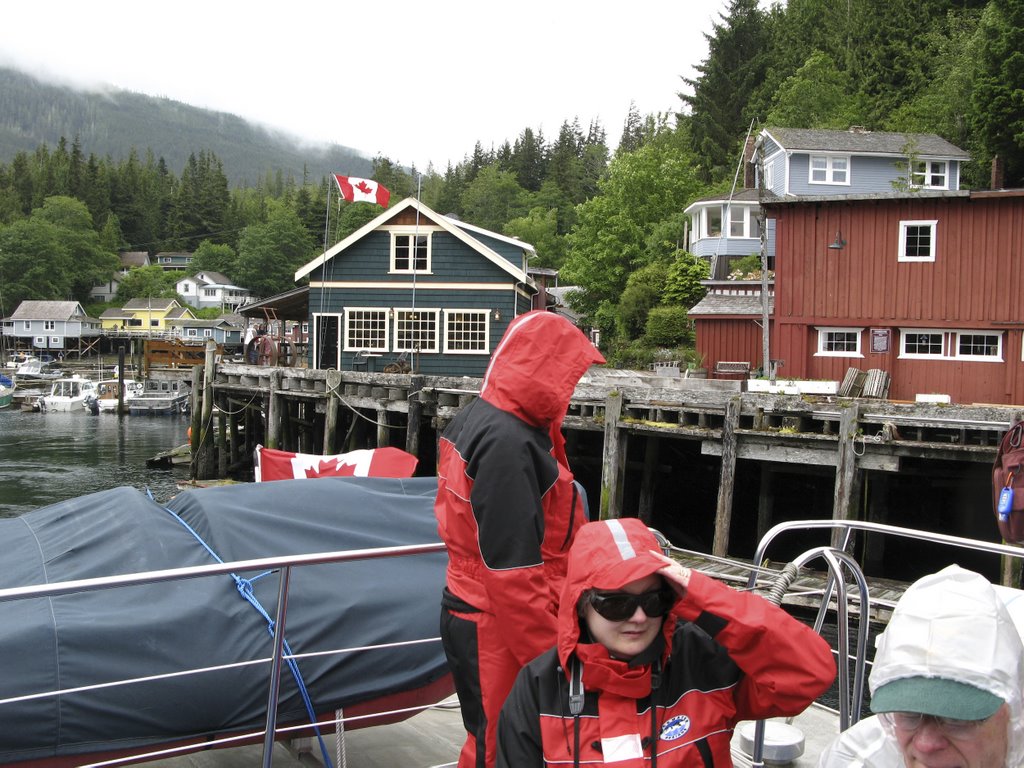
{"x": 415, "y": 290}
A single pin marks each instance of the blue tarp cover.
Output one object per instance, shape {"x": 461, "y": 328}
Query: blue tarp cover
{"x": 61, "y": 643}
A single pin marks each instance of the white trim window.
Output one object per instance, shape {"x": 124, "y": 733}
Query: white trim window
{"x": 829, "y": 169}
{"x": 743, "y": 221}
{"x": 366, "y": 328}
{"x": 932, "y": 344}
{"x": 416, "y": 330}
{"x": 467, "y": 331}
{"x": 839, "y": 342}
{"x": 930, "y": 174}
{"x": 917, "y": 240}
{"x": 410, "y": 251}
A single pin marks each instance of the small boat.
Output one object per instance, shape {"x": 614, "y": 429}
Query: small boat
{"x": 34, "y": 369}
{"x": 160, "y": 397}
{"x": 96, "y": 674}
{"x": 107, "y": 390}
{"x": 6, "y": 391}
{"x": 68, "y": 394}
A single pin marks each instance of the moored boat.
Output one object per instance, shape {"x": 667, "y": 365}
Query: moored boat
{"x": 6, "y": 391}
{"x": 68, "y": 394}
{"x": 107, "y": 392}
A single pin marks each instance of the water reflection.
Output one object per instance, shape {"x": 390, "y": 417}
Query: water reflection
{"x": 51, "y": 457}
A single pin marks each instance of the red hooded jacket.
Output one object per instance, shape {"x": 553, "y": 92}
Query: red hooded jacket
{"x": 725, "y": 656}
{"x": 506, "y": 503}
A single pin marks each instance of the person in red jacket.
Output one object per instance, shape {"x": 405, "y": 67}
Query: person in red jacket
{"x": 655, "y": 664}
{"x": 507, "y": 509}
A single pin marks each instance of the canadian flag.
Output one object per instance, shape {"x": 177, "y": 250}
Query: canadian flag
{"x": 272, "y": 464}
{"x": 357, "y": 190}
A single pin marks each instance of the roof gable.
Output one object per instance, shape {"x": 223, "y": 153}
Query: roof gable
{"x": 458, "y": 229}
{"x": 864, "y": 142}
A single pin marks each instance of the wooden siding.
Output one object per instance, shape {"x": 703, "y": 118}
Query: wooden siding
{"x": 974, "y": 284}
{"x": 729, "y": 339}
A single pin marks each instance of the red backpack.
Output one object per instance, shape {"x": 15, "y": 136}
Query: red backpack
{"x": 1008, "y": 485}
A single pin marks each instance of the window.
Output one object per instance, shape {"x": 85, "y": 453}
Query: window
{"x": 416, "y": 330}
{"x": 743, "y": 221}
{"x": 952, "y": 345}
{"x": 465, "y": 330}
{"x": 366, "y": 329}
{"x": 829, "y": 169}
{"x": 979, "y": 346}
{"x": 917, "y": 240}
{"x": 839, "y": 342}
{"x": 410, "y": 252}
{"x": 932, "y": 174}
{"x": 714, "y": 219}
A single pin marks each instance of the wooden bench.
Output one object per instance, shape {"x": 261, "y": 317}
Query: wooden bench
{"x": 726, "y": 369}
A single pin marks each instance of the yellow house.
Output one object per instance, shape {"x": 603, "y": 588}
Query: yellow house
{"x": 145, "y": 316}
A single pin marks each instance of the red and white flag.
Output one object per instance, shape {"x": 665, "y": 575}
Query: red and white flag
{"x": 272, "y": 464}
{"x": 357, "y": 190}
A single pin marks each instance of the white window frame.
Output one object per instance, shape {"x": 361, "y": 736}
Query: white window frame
{"x": 823, "y": 339}
{"x": 950, "y": 346}
{"x": 827, "y": 167}
{"x": 452, "y": 317}
{"x": 933, "y": 224}
{"x": 353, "y": 315}
{"x": 411, "y": 232}
{"x": 996, "y": 358}
{"x": 923, "y": 175}
{"x": 414, "y": 315}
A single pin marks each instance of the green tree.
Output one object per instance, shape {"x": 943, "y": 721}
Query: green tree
{"x": 148, "y": 283}
{"x": 269, "y": 254}
{"x": 215, "y": 257}
{"x": 493, "y": 198}
{"x": 610, "y": 239}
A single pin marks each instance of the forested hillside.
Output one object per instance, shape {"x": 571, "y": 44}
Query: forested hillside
{"x": 33, "y": 112}
{"x": 605, "y": 211}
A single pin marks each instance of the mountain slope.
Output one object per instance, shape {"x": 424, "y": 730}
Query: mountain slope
{"x": 33, "y": 112}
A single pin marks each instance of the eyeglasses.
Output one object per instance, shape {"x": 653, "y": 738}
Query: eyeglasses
{"x": 619, "y": 606}
{"x": 908, "y": 722}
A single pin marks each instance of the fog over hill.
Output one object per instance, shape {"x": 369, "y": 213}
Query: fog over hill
{"x": 112, "y": 122}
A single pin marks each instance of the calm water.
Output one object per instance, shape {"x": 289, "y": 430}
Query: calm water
{"x": 50, "y": 457}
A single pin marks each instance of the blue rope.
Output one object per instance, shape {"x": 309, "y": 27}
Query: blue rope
{"x": 244, "y": 587}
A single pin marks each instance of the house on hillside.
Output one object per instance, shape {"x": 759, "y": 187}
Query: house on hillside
{"x": 785, "y": 164}
{"x": 924, "y": 286}
{"x": 173, "y": 261}
{"x": 58, "y": 326}
{"x": 212, "y": 289}
{"x": 145, "y": 316}
{"x": 415, "y": 287}
{"x": 129, "y": 260}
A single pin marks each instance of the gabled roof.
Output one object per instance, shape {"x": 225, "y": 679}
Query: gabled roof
{"x": 731, "y": 304}
{"x": 48, "y": 310}
{"x": 459, "y": 229}
{"x": 151, "y": 304}
{"x": 134, "y": 258}
{"x": 863, "y": 142}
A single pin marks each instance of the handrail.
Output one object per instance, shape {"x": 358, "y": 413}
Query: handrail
{"x": 283, "y": 564}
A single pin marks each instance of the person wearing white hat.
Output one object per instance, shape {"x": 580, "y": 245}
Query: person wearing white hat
{"x": 946, "y": 685}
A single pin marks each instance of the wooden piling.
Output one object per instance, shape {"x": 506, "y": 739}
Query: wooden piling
{"x": 727, "y": 475}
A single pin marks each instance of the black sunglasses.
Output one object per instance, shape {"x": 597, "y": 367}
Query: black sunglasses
{"x": 619, "y": 606}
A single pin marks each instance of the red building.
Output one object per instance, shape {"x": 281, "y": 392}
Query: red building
{"x": 927, "y": 286}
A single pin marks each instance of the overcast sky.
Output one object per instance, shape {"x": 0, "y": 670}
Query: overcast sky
{"x": 419, "y": 82}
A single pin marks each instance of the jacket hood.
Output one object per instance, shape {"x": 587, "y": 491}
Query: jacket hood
{"x": 953, "y": 625}
{"x": 536, "y": 366}
{"x": 606, "y": 555}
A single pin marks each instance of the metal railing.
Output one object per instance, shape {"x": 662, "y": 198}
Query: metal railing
{"x": 283, "y": 565}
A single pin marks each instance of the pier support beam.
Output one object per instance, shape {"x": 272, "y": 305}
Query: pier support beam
{"x": 723, "y": 511}
{"x": 613, "y": 465}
